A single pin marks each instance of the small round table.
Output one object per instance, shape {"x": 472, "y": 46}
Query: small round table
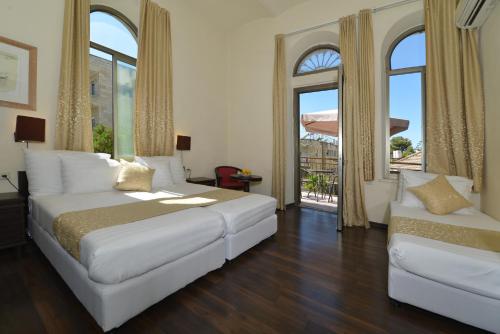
{"x": 246, "y": 179}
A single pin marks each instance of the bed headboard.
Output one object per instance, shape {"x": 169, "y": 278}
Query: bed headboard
{"x": 22, "y": 183}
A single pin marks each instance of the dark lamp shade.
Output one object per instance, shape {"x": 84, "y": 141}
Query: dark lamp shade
{"x": 30, "y": 129}
{"x": 183, "y": 143}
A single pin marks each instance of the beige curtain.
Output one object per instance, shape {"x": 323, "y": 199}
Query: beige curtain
{"x": 74, "y": 116}
{"x": 354, "y": 211}
{"x": 279, "y": 126}
{"x": 455, "y": 106}
{"x": 154, "y": 128}
{"x": 367, "y": 91}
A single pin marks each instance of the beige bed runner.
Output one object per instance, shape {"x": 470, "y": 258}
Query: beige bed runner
{"x": 453, "y": 234}
{"x": 70, "y": 227}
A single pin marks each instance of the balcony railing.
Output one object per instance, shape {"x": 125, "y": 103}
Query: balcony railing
{"x": 319, "y": 177}
{"x": 315, "y": 164}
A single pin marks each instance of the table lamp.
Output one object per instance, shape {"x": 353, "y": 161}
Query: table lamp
{"x": 29, "y": 129}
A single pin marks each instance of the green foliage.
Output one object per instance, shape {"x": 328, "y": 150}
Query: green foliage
{"x": 402, "y": 144}
{"x": 103, "y": 139}
{"x": 312, "y": 183}
{"x": 316, "y": 183}
{"x": 408, "y": 151}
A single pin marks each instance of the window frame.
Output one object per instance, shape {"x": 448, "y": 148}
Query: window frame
{"x": 406, "y": 70}
{"x": 308, "y": 52}
{"x": 115, "y": 57}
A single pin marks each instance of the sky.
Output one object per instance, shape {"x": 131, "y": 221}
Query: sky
{"x": 112, "y": 33}
{"x": 405, "y": 90}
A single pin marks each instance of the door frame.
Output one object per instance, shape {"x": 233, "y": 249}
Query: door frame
{"x": 296, "y": 119}
{"x": 340, "y": 165}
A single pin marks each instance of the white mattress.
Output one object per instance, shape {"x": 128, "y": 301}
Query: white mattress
{"x": 242, "y": 213}
{"x": 238, "y": 214}
{"x": 470, "y": 269}
{"x": 115, "y": 254}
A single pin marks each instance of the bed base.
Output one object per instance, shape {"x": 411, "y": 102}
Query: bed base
{"x": 244, "y": 240}
{"x": 113, "y": 304}
{"x": 472, "y": 309}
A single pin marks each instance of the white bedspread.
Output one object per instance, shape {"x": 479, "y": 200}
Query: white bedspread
{"x": 238, "y": 214}
{"x": 117, "y": 253}
{"x": 114, "y": 254}
{"x": 470, "y": 269}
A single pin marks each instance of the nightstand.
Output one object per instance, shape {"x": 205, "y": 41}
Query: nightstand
{"x": 12, "y": 220}
{"x": 206, "y": 181}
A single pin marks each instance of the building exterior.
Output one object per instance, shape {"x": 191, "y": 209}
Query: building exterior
{"x": 101, "y": 91}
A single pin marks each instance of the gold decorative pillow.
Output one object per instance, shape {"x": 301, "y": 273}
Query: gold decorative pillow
{"x": 134, "y": 177}
{"x": 439, "y": 196}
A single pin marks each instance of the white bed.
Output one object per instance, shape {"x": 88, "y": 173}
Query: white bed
{"x": 248, "y": 220}
{"x": 459, "y": 282}
{"x": 175, "y": 249}
{"x": 124, "y": 269}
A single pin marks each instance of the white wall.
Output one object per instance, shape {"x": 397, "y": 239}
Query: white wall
{"x": 199, "y": 65}
{"x": 23, "y": 21}
{"x": 490, "y": 52}
{"x": 251, "y": 56}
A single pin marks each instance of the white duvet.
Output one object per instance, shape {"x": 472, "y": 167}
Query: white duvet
{"x": 117, "y": 253}
{"x": 469, "y": 269}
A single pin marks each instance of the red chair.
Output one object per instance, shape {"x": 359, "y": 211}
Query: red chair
{"x": 224, "y": 180}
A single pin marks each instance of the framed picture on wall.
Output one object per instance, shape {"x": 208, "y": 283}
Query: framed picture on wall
{"x": 17, "y": 74}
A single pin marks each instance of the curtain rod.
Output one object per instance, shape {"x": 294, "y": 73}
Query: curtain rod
{"x": 374, "y": 10}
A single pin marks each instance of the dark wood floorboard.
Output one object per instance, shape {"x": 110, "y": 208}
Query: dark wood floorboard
{"x": 306, "y": 279}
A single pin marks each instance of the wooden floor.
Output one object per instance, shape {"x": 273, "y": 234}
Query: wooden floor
{"x": 306, "y": 279}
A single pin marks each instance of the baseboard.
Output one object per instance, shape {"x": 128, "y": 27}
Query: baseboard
{"x": 378, "y": 225}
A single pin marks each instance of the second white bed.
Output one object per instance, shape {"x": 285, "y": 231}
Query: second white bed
{"x": 469, "y": 269}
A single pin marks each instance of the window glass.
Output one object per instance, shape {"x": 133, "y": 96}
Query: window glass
{"x": 406, "y": 78}
{"x": 406, "y": 131}
{"x": 125, "y": 77}
{"x": 410, "y": 52}
{"x": 101, "y": 97}
{"x": 107, "y": 30}
{"x": 318, "y": 60}
{"x": 112, "y": 84}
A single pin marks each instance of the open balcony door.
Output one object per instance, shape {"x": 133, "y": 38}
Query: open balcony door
{"x": 326, "y": 122}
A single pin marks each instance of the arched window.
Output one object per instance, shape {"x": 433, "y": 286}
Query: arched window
{"x": 318, "y": 59}
{"x": 113, "y": 53}
{"x": 406, "y": 102}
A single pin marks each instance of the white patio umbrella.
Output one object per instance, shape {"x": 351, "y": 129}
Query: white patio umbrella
{"x": 326, "y": 123}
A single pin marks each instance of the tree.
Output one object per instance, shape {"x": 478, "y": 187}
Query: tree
{"x": 419, "y": 146}
{"x": 402, "y": 144}
{"x": 103, "y": 139}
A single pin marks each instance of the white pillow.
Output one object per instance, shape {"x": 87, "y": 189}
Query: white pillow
{"x": 43, "y": 169}
{"x": 82, "y": 174}
{"x": 163, "y": 175}
{"x": 413, "y": 179}
{"x": 177, "y": 170}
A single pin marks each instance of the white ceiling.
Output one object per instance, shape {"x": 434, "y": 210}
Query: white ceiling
{"x": 229, "y": 14}
{"x": 277, "y": 7}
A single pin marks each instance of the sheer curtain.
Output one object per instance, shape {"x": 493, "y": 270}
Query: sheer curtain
{"x": 154, "y": 127}
{"x": 74, "y": 115}
{"x": 354, "y": 211}
{"x": 279, "y": 119}
{"x": 454, "y": 106}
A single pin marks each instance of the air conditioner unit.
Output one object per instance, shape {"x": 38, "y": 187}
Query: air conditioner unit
{"x": 473, "y": 13}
